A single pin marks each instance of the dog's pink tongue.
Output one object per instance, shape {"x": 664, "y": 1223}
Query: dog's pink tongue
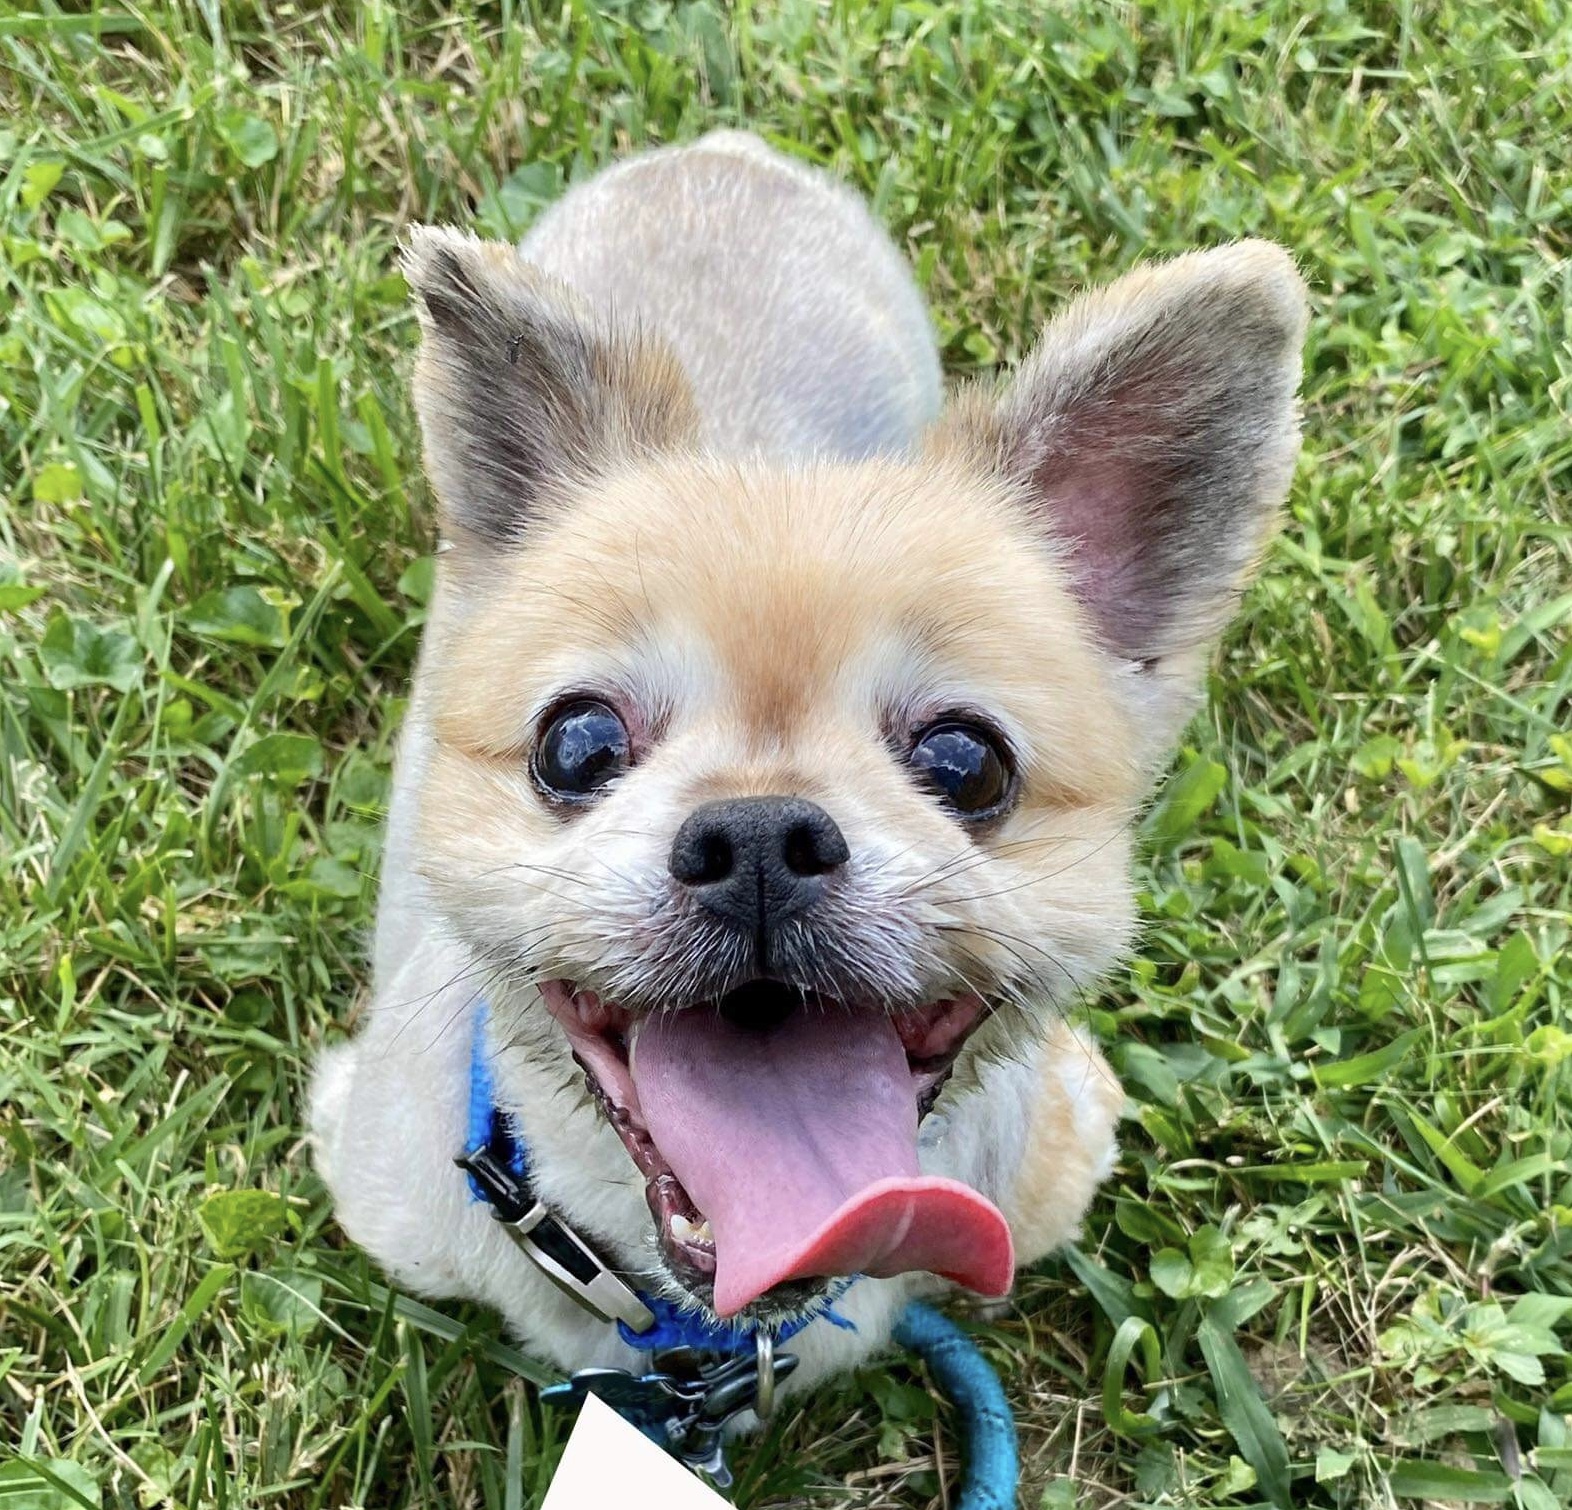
{"x": 799, "y": 1143}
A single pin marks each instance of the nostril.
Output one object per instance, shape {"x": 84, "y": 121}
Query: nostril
{"x": 715, "y": 859}
{"x": 801, "y": 852}
{"x": 813, "y": 848}
{"x": 703, "y": 853}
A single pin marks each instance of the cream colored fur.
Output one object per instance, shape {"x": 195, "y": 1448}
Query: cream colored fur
{"x": 684, "y": 461}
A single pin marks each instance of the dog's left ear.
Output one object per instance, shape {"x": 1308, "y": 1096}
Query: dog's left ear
{"x": 1153, "y": 434}
{"x": 520, "y": 388}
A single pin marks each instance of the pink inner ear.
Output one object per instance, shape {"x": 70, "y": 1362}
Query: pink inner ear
{"x": 1096, "y": 514}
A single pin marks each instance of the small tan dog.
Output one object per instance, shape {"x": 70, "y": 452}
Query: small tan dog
{"x": 774, "y": 750}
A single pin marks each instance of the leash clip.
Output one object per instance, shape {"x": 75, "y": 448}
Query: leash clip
{"x": 553, "y": 1246}
{"x": 687, "y": 1400}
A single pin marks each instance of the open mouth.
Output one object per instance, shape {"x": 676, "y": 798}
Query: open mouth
{"x": 777, "y": 1135}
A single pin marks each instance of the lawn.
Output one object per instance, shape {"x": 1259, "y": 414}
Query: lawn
{"x": 1334, "y": 1267}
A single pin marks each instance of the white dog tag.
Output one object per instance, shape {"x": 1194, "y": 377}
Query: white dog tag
{"x": 609, "y": 1462}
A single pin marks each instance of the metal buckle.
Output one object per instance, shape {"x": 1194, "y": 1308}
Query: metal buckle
{"x": 554, "y": 1247}
{"x": 687, "y": 1400}
{"x": 575, "y": 1268}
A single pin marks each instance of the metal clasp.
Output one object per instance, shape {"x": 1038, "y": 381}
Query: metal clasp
{"x": 688, "y": 1399}
{"x": 553, "y": 1246}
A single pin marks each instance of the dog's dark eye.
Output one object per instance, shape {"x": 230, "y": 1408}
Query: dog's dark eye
{"x": 963, "y": 765}
{"x": 583, "y": 747}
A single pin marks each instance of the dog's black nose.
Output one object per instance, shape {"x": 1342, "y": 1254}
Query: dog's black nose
{"x": 757, "y": 861}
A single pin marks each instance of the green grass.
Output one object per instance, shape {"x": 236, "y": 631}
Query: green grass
{"x": 1334, "y": 1263}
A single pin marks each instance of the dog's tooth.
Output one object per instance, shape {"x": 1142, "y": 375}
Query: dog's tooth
{"x": 682, "y": 1229}
{"x": 704, "y": 1233}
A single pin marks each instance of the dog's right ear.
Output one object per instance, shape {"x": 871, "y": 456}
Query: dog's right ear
{"x": 520, "y": 389}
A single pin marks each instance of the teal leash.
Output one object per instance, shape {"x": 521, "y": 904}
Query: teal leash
{"x": 991, "y": 1467}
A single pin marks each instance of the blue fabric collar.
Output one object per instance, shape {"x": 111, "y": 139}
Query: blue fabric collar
{"x": 492, "y": 1128}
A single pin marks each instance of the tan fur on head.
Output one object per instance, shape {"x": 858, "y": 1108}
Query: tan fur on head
{"x": 1056, "y": 564}
{"x": 783, "y": 632}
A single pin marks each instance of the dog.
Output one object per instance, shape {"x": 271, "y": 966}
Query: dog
{"x": 769, "y": 776}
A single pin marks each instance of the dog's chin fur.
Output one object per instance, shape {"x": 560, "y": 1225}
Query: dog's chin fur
{"x": 764, "y": 547}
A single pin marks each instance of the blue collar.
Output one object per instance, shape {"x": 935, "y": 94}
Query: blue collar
{"x": 492, "y": 1131}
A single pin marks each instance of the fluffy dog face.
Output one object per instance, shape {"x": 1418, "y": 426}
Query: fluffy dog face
{"x": 775, "y": 796}
{"x": 804, "y": 653}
